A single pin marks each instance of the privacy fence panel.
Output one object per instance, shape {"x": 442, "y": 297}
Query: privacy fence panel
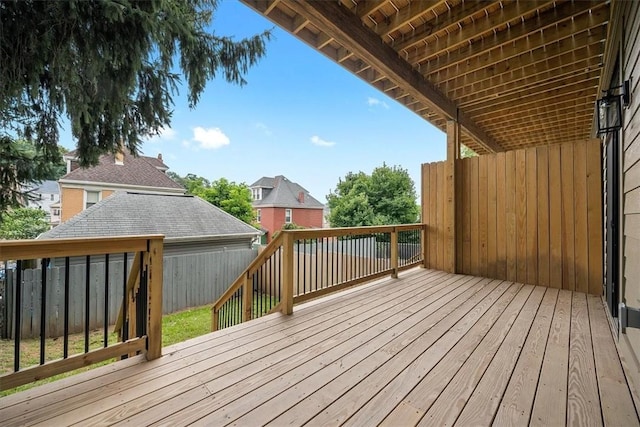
{"x": 532, "y": 216}
{"x": 188, "y": 281}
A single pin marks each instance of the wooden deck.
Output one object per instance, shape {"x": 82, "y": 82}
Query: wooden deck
{"x": 429, "y": 348}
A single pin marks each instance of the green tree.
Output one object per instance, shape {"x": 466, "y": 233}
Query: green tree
{"x": 232, "y": 198}
{"x": 23, "y": 223}
{"x": 110, "y": 67}
{"x": 387, "y": 196}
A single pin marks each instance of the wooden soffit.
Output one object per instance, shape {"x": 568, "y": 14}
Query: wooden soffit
{"x": 514, "y": 74}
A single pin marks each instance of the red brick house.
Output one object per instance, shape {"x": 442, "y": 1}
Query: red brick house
{"x": 278, "y": 201}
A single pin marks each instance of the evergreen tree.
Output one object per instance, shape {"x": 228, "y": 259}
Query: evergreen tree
{"x": 109, "y": 67}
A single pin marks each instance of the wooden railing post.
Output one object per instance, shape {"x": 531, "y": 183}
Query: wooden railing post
{"x": 154, "y": 327}
{"x": 247, "y": 298}
{"x": 287, "y": 272}
{"x": 215, "y": 314}
{"x": 394, "y": 253}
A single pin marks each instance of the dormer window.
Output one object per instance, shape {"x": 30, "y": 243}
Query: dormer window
{"x": 256, "y": 193}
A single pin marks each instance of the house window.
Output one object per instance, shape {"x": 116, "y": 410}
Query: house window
{"x": 256, "y": 193}
{"x": 91, "y": 198}
{"x": 56, "y": 212}
{"x": 287, "y": 216}
{"x": 52, "y": 196}
{"x": 258, "y": 215}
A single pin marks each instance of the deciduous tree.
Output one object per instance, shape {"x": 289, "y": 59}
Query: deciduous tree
{"x": 23, "y": 223}
{"x": 387, "y": 196}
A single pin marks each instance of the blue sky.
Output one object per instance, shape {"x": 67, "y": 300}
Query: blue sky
{"x": 300, "y": 115}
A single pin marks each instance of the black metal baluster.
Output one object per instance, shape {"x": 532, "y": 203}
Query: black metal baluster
{"x": 106, "y": 300}
{"x": 65, "y": 351}
{"x": 87, "y": 290}
{"x": 125, "y": 300}
{"x": 18, "y": 317}
{"x": 43, "y": 309}
{"x": 304, "y": 268}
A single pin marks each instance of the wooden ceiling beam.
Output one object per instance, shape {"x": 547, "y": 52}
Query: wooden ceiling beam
{"x": 548, "y": 98}
{"x": 365, "y": 8}
{"x": 527, "y": 64}
{"x": 552, "y": 25}
{"x": 568, "y": 38}
{"x": 569, "y": 61}
{"x": 346, "y": 27}
{"x": 452, "y": 17}
{"x": 504, "y": 86}
{"x": 510, "y": 12}
{"x": 542, "y": 124}
{"x": 570, "y": 84}
{"x": 412, "y": 11}
{"x": 525, "y": 113}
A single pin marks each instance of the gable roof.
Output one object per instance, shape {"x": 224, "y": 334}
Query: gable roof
{"x": 283, "y": 193}
{"x": 182, "y": 217}
{"x": 135, "y": 171}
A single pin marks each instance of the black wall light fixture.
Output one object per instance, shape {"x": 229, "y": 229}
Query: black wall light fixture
{"x": 609, "y": 108}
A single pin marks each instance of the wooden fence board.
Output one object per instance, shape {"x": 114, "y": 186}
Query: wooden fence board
{"x": 581, "y": 225}
{"x": 492, "y": 246}
{"x": 532, "y": 217}
{"x": 426, "y": 212}
{"x": 466, "y": 214}
{"x": 483, "y": 221}
{"x": 510, "y": 206}
{"x": 568, "y": 216}
{"x": 521, "y": 215}
{"x": 501, "y": 216}
{"x": 473, "y": 210}
{"x": 543, "y": 215}
{"x": 441, "y": 216}
{"x": 555, "y": 218}
{"x": 433, "y": 208}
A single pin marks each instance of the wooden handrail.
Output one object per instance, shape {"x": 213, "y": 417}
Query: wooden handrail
{"x": 285, "y": 239}
{"x": 59, "y": 248}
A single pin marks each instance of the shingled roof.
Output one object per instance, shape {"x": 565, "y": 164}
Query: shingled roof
{"x": 280, "y": 192}
{"x": 138, "y": 171}
{"x": 128, "y": 213}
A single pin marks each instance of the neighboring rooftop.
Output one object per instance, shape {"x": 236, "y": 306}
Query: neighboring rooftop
{"x": 130, "y": 170}
{"x": 46, "y": 187}
{"x": 279, "y": 191}
{"x": 128, "y": 213}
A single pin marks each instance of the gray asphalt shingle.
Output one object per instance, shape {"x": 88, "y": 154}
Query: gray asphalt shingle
{"x": 128, "y": 213}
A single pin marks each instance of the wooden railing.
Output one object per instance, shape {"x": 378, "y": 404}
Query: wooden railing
{"x": 299, "y": 265}
{"x": 139, "y": 323}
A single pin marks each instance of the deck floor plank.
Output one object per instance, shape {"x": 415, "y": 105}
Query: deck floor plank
{"x": 550, "y": 404}
{"x": 426, "y": 375}
{"x": 447, "y": 407}
{"x": 517, "y": 402}
{"x": 583, "y": 401}
{"x": 618, "y": 408}
{"x": 428, "y": 347}
{"x": 483, "y": 403}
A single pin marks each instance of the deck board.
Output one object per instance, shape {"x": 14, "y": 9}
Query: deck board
{"x": 428, "y": 348}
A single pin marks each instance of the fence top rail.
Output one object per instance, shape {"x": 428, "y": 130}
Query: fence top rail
{"x": 350, "y": 231}
{"x": 53, "y": 248}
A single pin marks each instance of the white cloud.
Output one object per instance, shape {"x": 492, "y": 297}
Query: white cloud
{"x": 164, "y": 134}
{"x": 186, "y": 143}
{"x": 316, "y": 140}
{"x": 375, "y": 102}
{"x": 210, "y": 139}
{"x": 264, "y": 128}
